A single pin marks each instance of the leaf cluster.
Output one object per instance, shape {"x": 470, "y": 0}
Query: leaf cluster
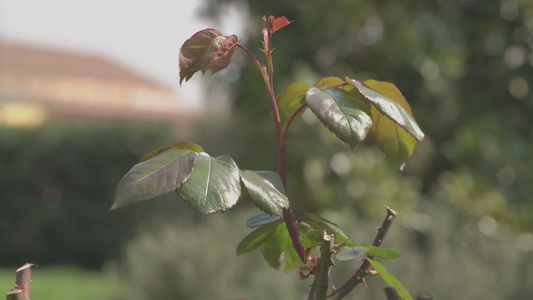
{"x": 208, "y": 184}
{"x": 352, "y": 110}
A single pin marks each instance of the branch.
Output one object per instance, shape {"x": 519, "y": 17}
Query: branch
{"x": 262, "y": 69}
{"x": 290, "y": 119}
{"x": 320, "y": 286}
{"x": 294, "y": 234}
{"x": 22, "y": 284}
{"x": 365, "y": 267}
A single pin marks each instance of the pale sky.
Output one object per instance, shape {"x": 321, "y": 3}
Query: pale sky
{"x": 144, "y": 35}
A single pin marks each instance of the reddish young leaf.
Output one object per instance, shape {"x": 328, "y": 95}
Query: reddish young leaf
{"x": 223, "y": 54}
{"x": 206, "y": 50}
{"x": 274, "y": 24}
{"x": 193, "y": 50}
{"x": 279, "y": 23}
{"x": 210, "y": 51}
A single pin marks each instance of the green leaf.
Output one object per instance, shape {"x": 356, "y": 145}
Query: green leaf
{"x": 346, "y": 116}
{"x": 293, "y": 259}
{"x": 181, "y": 145}
{"x": 275, "y": 244}
{"x": 390, "y": 102}
{"x": 311, "y": 239}
{"x": 266, "y": 190}
{"x": 390, "y": 279}
{"x": 214, "y": 184}
{"x": 319, "y": 223}
{"x": 394, "y": 130}
{"x": 206, "y": 49}
{"x": 381, "y": 252}
{"x": 328, "y": 82}
{"x": 260, "y": 219}
{"x": 278, "y": 244}
{"x": 290, "y": 99}
{"x": 348, "y": 253}
{"x": 162, "y": 173}
{"x": 257, "y": 237}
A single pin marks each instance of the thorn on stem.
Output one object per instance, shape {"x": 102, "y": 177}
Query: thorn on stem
{"x": 364, "y": 282}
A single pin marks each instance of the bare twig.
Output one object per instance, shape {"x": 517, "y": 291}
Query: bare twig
{"x": 365, "y": 267}
{"x": 320, "y": 286}
{"x": 22, "y": 284}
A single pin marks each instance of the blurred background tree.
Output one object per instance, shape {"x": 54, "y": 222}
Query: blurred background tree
{"x": 56, "y": 184}
{"x": 464, "y": 66}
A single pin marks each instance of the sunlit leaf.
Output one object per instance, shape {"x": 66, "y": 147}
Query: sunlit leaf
{"x": 394, "y": 131}
{"x": 328, "y": 82}
{"x": 390, "y": 279}
{"x": 257, "y": 237}
{"x": 290, "y": 99}
{"x": 381, "y": 252}
{"x": 266, "y": 191}
{"x": 260, "y": 219}
{"x": 164, "y": 172}
{"x": 214, "y": 184}
{"x": 320, "y": 223}
{"x": 346, "y": 116}
{"x": 181, "y": 145}
{"x": 390, "y": 102}
{"x": 348, "y": 253}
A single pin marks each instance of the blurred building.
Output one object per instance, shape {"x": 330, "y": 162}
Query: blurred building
{"x": 38, "y": 84}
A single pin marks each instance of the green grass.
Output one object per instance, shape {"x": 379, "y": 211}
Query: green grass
{"x": 61, "y": 282}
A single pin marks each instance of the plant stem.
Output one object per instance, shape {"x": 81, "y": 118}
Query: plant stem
{"x": 321, "y": 282}
{"x": 365, "y": 267}
{"x": 290, "y": 119}
{"x": 22, "y": 284}
{"x": 287, "y": 216}
{"x": 261, "y": 68}
{"x": 267, "y": 74}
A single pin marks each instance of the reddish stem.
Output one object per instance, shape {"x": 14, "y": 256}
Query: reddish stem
{"x": 267, "y": 74}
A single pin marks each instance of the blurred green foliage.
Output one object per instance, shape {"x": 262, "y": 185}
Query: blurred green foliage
{"x": 196, "y": 259}
{"x": 57, "y": 184}
{"x": 462, "y": 65}
{"x": 189, "y": 258}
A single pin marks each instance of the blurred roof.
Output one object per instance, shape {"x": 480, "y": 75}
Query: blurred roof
{"x": 28, "y": 60}
{"x": 76, "y": 85}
